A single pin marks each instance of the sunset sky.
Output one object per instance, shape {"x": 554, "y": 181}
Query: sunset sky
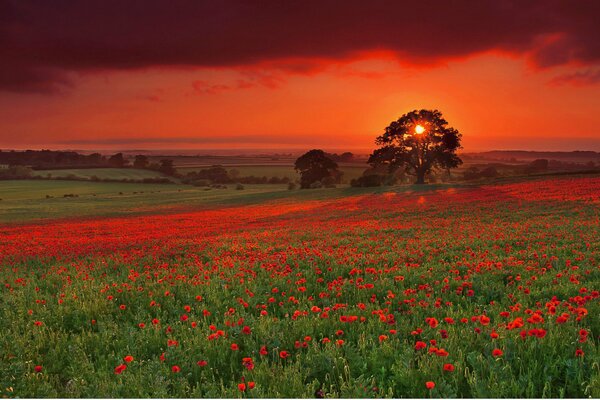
{"x": 296, "y": 74}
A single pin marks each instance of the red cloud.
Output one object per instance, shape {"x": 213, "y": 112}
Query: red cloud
{"x": 581, "y": 78}
{"x": 41, "y": 42}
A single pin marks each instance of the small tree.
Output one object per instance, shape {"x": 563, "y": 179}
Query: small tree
{"x": 141, "y": 161}
{"x": 314, "y": 166}
{"x": 166, "y": 167}
{"x": 117, "y": 160}
{"x": 419, "y": 142}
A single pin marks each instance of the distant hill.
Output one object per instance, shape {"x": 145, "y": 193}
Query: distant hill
{"x": 516, "y": 156}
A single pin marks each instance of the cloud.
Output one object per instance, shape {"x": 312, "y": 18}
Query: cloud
{"x": 42, "y": 42}
{"x": 580, "y": 78}
{"x": 251, "y": 79}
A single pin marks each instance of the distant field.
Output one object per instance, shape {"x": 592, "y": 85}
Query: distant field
{"x": 26, "y": 200}
{"x": 102, "y": 173}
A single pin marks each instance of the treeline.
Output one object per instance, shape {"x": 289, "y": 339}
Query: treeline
{"x": 50, "y": 159}
{"x": 217, "y": 174}
{"x": 18, "y": 172}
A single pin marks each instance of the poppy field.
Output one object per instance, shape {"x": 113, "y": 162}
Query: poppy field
{"x": 488, "y": 291}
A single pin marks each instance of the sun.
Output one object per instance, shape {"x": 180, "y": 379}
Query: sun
{"x": 419, "y": 129}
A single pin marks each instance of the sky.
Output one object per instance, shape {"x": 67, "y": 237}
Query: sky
{"x": 112, "y": 74}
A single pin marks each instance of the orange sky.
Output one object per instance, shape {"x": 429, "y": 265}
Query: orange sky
{"x": 497, "y": 99}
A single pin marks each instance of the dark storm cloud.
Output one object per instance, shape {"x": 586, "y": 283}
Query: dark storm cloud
{"x": 41, "y": 42}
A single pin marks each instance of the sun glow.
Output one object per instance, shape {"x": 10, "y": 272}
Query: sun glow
{"x": 419, "y": 129}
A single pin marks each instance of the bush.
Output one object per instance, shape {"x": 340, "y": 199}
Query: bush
{"x": 368, "y": 181}
{"x": 239, "y": 186}
{"x": 316, "y": 185}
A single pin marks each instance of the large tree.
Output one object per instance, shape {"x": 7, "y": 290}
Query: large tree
{"x": 418, "y": 142}
{"x": 315, "y": 166}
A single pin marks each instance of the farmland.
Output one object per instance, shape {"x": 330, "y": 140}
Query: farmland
{"x": 28, "y": 200}
{"x": 446, "y": 291}
{"x": 100, "y": 173}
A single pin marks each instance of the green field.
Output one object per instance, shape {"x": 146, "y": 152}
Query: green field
{"x": 101, "y": 173}
{"x": 26, "y": 200}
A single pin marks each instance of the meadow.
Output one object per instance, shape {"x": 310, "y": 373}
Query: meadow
{"x": 441, "y": 291}
{"x": 101, "y": 173}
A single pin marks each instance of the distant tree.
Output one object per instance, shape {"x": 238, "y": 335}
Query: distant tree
{"x": 418, "y": 142}
{"x": 141, "y": 161}
{"x": 216, "y": 174}
{"x": 166, "y": 167}
{"x": 117, "y": 160}
{"x": 314, "y": 166}
{"x": 95, "y": 158}
{"x": 346, "y": 157}
{"x": 539, "y": 165}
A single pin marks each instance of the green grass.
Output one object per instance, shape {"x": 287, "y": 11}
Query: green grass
{"x": 102, "y": 173}
{"x": 26, "y": 200}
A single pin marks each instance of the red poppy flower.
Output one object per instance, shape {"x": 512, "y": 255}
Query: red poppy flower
{"x": 429, "y": 385}
{"x": 234, "y": 347}
{"x": 175, "y": 369}
{"x": 202, "y": 363}
{"x": 251, "y": 385}
{"x": 579, "y": 353}
{"x": 497, "y": 353}
{"x": 38, "y": 368}
{"x": 432, "y": 322}
{"x": 284, "y": 354}
{"x": 128, "y": 359}
{"x": 263, "y": 351}
{"x": 119, "y": 369}
{"x": 420, "y": 345}
{"x": 448, "y": 367}
{"x": 242, "y": 387}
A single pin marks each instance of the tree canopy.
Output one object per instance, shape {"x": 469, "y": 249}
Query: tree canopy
{"x": 314, "y": 166}
{"x": 419, "y": 141}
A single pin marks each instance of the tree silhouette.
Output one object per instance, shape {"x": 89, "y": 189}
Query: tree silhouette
{"x": 166, "y": 167}
{"x": 117, "y": 160}
{"x": 141, "y": 161}
{"x": 314, "y": 166}
{"x": 419, "y": 142}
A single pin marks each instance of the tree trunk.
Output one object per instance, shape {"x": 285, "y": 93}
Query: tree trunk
{"x": 420, "y": 178}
